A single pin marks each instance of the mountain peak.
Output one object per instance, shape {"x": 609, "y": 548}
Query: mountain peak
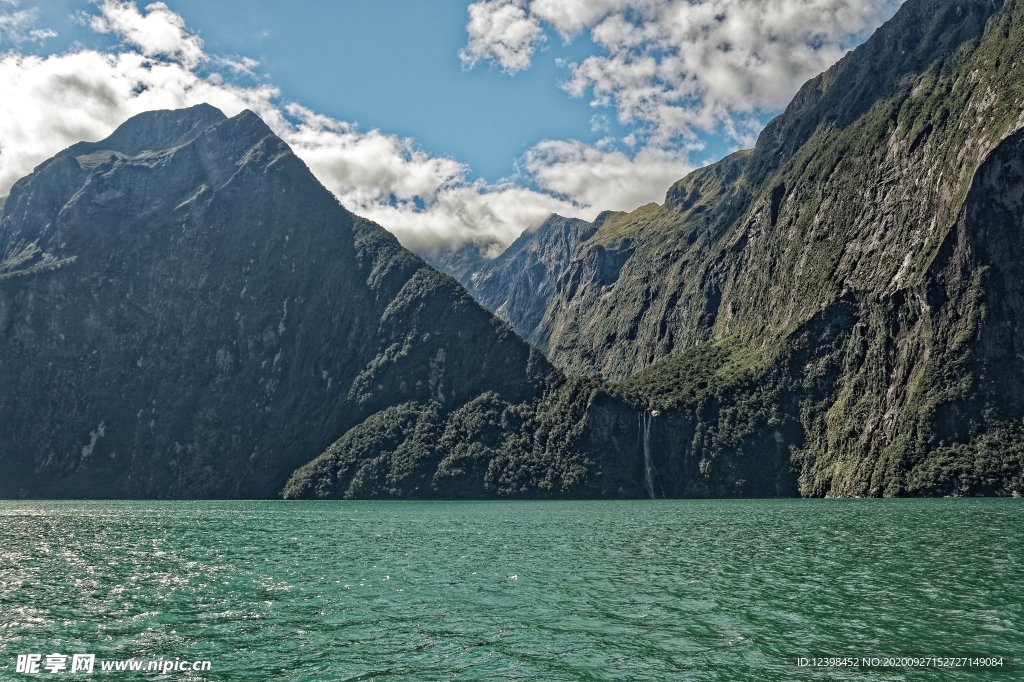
{"x": 160, "y": 129}
{"x": 251, "y": 119}
{"x": 921, "y": 36}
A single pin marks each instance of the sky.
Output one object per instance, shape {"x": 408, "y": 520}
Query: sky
{"x": 445, "y": 121}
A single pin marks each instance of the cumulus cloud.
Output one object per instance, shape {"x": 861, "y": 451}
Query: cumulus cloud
{"x": 600, "y": 175}
{"x": 502, "y": 32}
{"x": 668, "y": 68}
{"x": 570, "y": 17}
{"x": 672, "y": 69}
{"x": 369, "y": 166}
{"x": 429, "y": 202}
{"x": 157, "y": 32}
{"x": 472, "y": 213}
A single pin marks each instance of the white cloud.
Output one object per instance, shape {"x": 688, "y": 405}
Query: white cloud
{"x": 368, "y": 166}
{"x": 40, "y": 35}
{"x": 602, "y": 176}
{"x": 501, "y": 31}
{"x": 473, "y": 212}
{"x": 157, "y": 32}
{"x": 18, "y": 26}
{"x": 570, "y": 17}
{"x": 673, "y": 69}
{"x": 426, "y": 201}
{"x": 238, "y": 64}
{"x": 662, "y": 67}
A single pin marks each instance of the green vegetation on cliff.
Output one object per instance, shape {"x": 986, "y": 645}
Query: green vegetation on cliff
{"x": 488, "y": 447}
{"x": 891, "y": 184}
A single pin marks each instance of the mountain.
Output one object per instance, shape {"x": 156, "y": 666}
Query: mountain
{"x": 520, "y": 283}
{"x": 460, "y": 262}
{"x": 848, "y": 292}
{"x": 187, "y": 312}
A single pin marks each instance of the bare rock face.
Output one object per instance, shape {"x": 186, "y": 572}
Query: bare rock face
{"x": 519, "y": 284}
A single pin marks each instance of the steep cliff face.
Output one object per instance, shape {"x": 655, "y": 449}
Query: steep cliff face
{"x": 929, "y": 400}
{"x": 519, "y": 284}
{"x": 887, "y": 184}
{"x": 188, "y": 313}
{"x": 868, "y": 164}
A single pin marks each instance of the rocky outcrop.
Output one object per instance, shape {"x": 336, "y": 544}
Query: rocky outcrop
{"x": 519, "y": 284}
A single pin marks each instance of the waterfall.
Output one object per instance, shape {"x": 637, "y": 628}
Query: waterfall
{"x": 649, "y": 471}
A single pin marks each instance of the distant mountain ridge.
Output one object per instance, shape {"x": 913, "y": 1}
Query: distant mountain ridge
{"x": 520, "y": 283}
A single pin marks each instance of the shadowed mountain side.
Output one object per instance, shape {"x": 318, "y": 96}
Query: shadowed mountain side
{"x": 219, "y": 320}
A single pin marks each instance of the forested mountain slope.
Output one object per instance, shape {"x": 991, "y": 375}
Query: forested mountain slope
{"x": 883, "y": 210}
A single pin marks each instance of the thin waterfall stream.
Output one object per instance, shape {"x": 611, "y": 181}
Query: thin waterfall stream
{"x": 649, "y": 471}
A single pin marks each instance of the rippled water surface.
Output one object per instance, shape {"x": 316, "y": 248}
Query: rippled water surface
{"x": 728, "y": 590}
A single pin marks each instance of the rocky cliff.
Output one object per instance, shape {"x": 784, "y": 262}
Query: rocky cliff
{"x": 520, "y": 284}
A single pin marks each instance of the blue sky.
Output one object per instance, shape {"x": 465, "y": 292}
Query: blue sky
{"x": 446, "y": 121}
{"x": 395, "y": 66}
{"x": 391, "y": 64}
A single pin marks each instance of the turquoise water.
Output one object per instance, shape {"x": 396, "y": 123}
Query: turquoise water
{"x": 644, "y": 590}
